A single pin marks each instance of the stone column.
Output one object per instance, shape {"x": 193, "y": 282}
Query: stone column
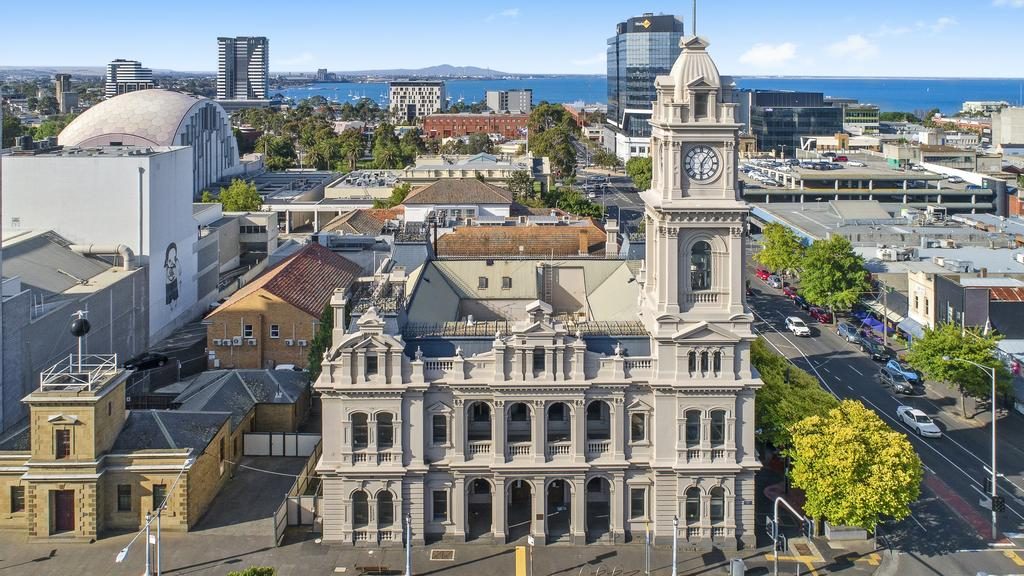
{"x": 460, "y": 437}
{"x": 619, "y": 427}
{"x": 736, "y": 263}
{"x": 459, "y": 508}
{"x": 579, "y": 349}
{"x": 498, "y": 507}
{"x": 499, "y": 423}
{"x": 538, "y": 525}
{"x": 579, "y": 430}
{"x": 550, "y": 373}
{"x": 672, "y": 280}
{"x": 579, "y": 510}
{"x": 617, "y": 512}
{"x": 499, "y": 360}
{"x": 539, "y": 425}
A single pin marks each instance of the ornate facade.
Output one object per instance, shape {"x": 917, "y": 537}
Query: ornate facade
{"x": 554, "y": 416}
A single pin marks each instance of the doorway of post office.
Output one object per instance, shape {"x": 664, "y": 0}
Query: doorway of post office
{"x": 63, "y": 507}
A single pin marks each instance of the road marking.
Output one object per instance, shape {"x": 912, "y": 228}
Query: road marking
{"x": 1013, "y": 557}
{"x": 850, "y": 387}
{"x": 829, "y": 371}
{"x": 855, "y": 370}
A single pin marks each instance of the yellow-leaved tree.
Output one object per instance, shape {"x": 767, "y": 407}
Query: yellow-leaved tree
{"x": 854, "y": 469}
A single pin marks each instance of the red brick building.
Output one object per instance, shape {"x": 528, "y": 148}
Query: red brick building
{"x": 510, "y": 126}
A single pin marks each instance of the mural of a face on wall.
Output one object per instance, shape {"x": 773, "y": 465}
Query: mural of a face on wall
{"x": 171, "y": 275}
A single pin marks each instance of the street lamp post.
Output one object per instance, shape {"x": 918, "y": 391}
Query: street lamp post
{"x": 675, "y": 535}
{"x": 994, "y": 492}
{"x": 408, "y": 545}
{"x": 150, "y": 517}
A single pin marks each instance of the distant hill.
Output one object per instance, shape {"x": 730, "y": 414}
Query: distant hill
{"x": 44, "y": 71}
{"x": 444, "y": 70}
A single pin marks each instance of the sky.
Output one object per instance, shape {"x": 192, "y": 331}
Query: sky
{"x": 902, "y": 38}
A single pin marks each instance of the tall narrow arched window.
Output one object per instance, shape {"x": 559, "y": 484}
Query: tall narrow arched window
{"x": 692, "y": 428}
{"x": 691, "y": 361}
{"x": 700, "y": 266}
{"x": 385, "y": 431}
{"x": 360, "y": 510}
{"x": 717, "y": 428}
{"x": 705, "y": 364}
{"x": 360, "y": 431}
{"x": 716, "y": 362}
{"x": 385, "y": 509}
{"x": 717, "y": 505}
{"x": 692, "y": 511}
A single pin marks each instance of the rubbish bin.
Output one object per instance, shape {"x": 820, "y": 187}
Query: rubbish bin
{"x": 737, "y": 567}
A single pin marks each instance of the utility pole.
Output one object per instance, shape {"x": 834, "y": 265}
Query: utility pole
{"x": 408, "y": 545}
{"x": 675, "y": 536}
{"x": 647, "y": 549}
{"x": 149, "y": 517}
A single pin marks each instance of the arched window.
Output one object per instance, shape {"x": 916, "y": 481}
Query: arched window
{"x": 692, "y": 428}
{"x": 700, "y": 266}
{"x": 385, "y": 431}
{"x": 716, "y": 362}
{"x": 360, "y": 431}
{"x": 691, "y": 361}
{"x": 385, "y": 509}
{"x": 718, "y": 428}
{"x": 705, "y": 362}
{"x": 360, "y": 510}
{"x": 717, "y": 505}
{"x": 692, "y": 510}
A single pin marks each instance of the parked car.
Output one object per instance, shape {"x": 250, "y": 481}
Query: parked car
{"x": 797, "y": 326}
{"x": 955, "y": 180}
{"x": 762, "y": 273}
{"x": 872, "y": 348}
{"x": 789, "y": 291}
{"x": 774, "y": 281}
{"x": 895, "y": 380}
{"x": 917, "y": 168}
{"x": 829, "y": 155}
{"x": 841, "y": 159}
{"x": 820, "y": 314}
{"x": 856, "y": 163}
{"x": 897, "y": 365}
{"x": 145, "y": 361}
{"x": 847, "y": 331}
{"x": 801, "y": 302}
{"x": 973, "y": 187}
{"x": 918, "y": 421}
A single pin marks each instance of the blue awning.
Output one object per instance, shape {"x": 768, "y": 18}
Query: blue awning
{"x": 911, "y": 327}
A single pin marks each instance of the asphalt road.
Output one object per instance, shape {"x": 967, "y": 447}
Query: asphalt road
{"x": 947, "y": 521}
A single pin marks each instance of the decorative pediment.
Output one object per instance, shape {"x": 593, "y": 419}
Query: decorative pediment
{"x": 439, "y": 408}
{"x": 639, "y": 406}
{"x": 537, "y": 329}
{"x": 704, "y": 332}
{"x": 699, "y": 82}
{"x": 62, "y": 419}
{"x": 362, "y": 341}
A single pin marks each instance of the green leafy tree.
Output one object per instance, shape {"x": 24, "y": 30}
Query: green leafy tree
{"x": 321, "y": 342}
{"x": 207, "y": 197}
{"x": 398, "y": 195}
{"x": 898, "y": 117}
{"x": 605, "y": 158}
{"x": 782, "y": 251}
{"x": 240, "y": 196}
{"x": 854, "y": 469}
{"x": 255, "y": 571}
{"x": 52, "y": 127}
{"x": 12, "y": 128}
{"x": 546, "y": 116}
{"x": 788, "y": 396}
{"x": 350, "y": 147}
{"x": 556, "y": 145}
{"x": 412, "y": 145}
{"x": 832, "y": 274}
{"x": 950, "y": 340}
{"x": 48, "y": 105}
{"x": 520, "y": 184}
{"x": 639, "y": 170}
{"x": 479, "y": 142}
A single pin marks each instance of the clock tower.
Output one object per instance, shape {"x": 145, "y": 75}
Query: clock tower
{"x": 693, "y": 305}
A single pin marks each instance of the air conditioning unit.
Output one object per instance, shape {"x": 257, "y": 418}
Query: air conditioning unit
{"x": 289, "y": 342}
{"x": 251, "y": 341}
{"x": 236, "y": 341}
{"x": 1019, "y": 257}
{"x": 217, "y": 341}
{"x": 303, "y": 343}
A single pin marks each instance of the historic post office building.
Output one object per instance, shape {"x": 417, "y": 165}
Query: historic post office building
{"x": 576, "y": 400}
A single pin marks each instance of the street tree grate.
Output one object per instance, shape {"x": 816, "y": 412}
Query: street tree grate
{"x": 442, "y": 555}
{"x": 802, "y": 549}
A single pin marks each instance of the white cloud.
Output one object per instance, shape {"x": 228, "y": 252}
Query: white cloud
{"x": 854, "y": 47}
{"x": 506, "y": 13}
{"x": 1011, "y": 3}
{"x": 885, "y": 31}
{"x": 943, "y": 22}
{"x": 598, "y": 58}
{"x": 769, "y": 55}
{"x": 304, "y": 58}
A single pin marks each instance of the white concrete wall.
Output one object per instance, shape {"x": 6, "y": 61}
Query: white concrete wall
{"x": 95, "y": 200}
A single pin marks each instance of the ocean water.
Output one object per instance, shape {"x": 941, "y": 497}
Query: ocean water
{"x": 890, "y": 94}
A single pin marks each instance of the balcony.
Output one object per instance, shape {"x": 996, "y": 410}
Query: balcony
{"x": 519, "y": 449}
{"x": 556, "y": 449}
{"x": 598, "y": 448}
{"x": 702, "y": 298}
{"x": 478, "y": 447}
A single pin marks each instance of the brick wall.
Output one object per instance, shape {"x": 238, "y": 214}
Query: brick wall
{"x": 456, "y": 125}
{"x": 262, "y": 310}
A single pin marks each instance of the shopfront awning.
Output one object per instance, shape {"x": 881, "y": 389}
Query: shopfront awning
{"x": 911, "y": 327}
{"x": 876, "y": 307}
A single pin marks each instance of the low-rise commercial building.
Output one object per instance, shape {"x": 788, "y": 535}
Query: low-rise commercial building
{"x": 487, "y": 167}
{"x": 273, "y": 319}
{"x": 452, "y": 200}
{"x": 1008, "y": 128}
{"x": 508, "y": 126}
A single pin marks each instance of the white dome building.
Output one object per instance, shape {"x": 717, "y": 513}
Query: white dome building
{"x": 162, "y": 118}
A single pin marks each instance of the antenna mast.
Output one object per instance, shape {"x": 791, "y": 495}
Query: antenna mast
{"x": 693, "y": 24}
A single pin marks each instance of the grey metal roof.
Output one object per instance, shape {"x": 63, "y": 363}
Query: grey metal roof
{"x": 44, "y": 262}
{"x": 410, "y": 256}
{"x": 16, "y": 440}
{"x": 238, "y": 391}
{"x": 168, "y": 430}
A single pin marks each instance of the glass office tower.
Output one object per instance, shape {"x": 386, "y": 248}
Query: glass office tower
{"x": 643, "y": 48}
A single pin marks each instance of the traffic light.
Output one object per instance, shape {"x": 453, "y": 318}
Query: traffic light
{"x": 998, "y": 503}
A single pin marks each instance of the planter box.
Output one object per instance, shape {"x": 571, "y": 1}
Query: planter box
{"x": 844, "y": 533}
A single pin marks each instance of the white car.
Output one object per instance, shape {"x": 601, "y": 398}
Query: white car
{"x": 856, "y": 163}
{"x": 797, "y": 326}
{"x": 918, "y": 421}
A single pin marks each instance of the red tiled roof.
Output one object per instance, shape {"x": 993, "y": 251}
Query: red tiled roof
{"x": 306, "y": 280}
{"x": 1005, "y": 294}
{"x": 459, "y": 191}
{"x": 536, "y": 241}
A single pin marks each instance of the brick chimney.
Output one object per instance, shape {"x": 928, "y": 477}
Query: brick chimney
{"x": 584, "y": 242}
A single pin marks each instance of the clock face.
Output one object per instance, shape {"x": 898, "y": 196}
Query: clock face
{"x": 702, "y": 163}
